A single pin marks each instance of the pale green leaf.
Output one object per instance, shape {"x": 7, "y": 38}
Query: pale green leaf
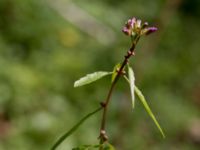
{"x": 114, "y": 74}
{"x": 146, "y": 106}
{"x": 73, "y": 129}
{"x": 132, "y": 84}
{"x": 91, "y": 78}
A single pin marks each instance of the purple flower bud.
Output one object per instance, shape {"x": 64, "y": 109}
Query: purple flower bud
{"x": 131, "y": 22}
{"x": 129, "y": 26}
{"x": 150, "y": 30}
{"x": 126, "y": 31}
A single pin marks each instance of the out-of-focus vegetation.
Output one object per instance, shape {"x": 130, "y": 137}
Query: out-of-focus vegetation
{"x": 45, "y": 47}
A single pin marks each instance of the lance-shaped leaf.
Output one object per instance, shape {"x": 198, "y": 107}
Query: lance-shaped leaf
{"x": 73, "y": 129}
{"x": 146, "y": 106}
{"x": 91, "y": 78}
{"x": 132, "y": 84}
{"x": 114, "y": 74}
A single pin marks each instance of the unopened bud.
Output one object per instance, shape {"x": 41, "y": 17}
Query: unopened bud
{"x": 138, "y": 24}
{"x": 129, "y": 26}
{"x": 149, "y": 30}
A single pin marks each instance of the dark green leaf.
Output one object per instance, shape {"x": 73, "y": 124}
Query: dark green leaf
{"x": 91, "y": 78}
{"x": 74, "y": 128}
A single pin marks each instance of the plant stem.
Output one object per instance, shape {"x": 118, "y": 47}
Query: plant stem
{"x": 103, "y": 137}
{"x": 72, "y": 130}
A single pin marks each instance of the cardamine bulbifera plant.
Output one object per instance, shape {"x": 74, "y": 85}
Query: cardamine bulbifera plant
{"x": 135, "y": 29}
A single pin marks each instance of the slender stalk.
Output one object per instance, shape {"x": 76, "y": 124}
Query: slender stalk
{"x": 68, "y": 133}
{"x": 103, "y": 137}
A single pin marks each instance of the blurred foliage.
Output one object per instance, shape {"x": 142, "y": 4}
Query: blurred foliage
{"x": 42, "y": 54}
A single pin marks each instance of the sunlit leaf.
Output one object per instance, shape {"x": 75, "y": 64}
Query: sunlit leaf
{"x": 114, "y": 74}
{"x": 132, "y": 84}
{"x": 73, "y": 129}
{"x": 146, "y": 106}
{"x": 91, "y": 78}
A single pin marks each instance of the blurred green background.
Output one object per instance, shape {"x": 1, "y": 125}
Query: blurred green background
{"x": 46, "y": 45}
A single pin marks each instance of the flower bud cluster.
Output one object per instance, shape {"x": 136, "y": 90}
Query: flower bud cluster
{"x": 135, "y": 27}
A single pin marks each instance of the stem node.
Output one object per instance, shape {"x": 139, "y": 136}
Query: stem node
{"x": 103, "y": 136}
{"x": 103, "y": 104}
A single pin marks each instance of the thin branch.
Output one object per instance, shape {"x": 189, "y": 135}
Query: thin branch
{"x": 103, "y": 137}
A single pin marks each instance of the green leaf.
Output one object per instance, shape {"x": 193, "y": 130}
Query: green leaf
{"x": 114, "y": 73}
{"x": 108, "y": 146}
{"x": 146, "y": 106}
{"x": 73, "y": 129}
{"x": 86, "y": 147}
{"x": 132, "y": 84}
{"x": 91, "y": 78}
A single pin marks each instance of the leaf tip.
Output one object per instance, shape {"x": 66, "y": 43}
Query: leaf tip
{"x": 163, "y": 135}
{"x": 75, "y": 85}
